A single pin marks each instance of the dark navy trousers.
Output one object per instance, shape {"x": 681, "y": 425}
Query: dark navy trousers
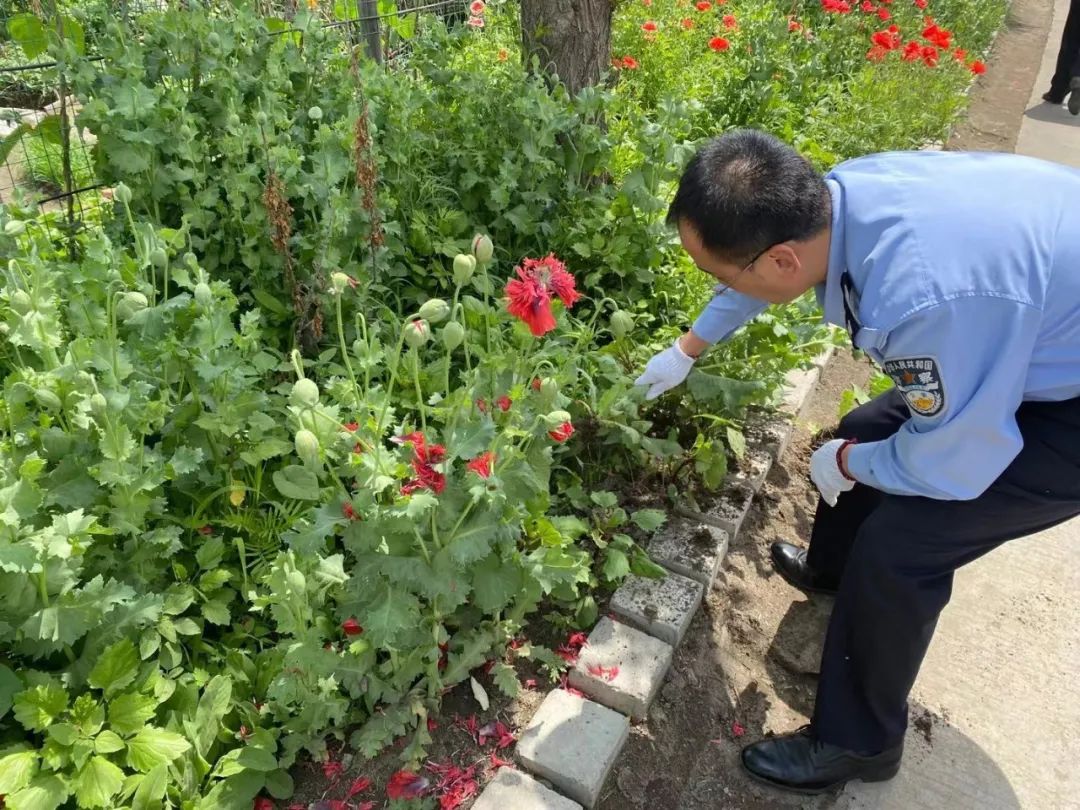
{"x": 893, "y": 558}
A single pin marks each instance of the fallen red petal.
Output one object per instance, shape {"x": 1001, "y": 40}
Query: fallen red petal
{"x": 358, "y": 786}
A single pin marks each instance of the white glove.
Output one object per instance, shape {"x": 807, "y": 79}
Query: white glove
{"x": 666, "y": 370}
{"x": 825, "y": 472}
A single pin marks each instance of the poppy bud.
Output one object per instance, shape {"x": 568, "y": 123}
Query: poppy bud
{"x": 482, "y": 248}
{"x": 203, "y": 295}
{"x": 296, "y": 581}
{"x": 47, "y": 399}
{"x": 159, "y": 258}
{"x": 549, "y": 388}
{"x": 21, "y": 302}
{"x": 315, "y": 113}
{"x": 129, "y": 304}
{"x": 122, "y": 193}
{"x": 464, "y": 267}
{"x": 13, "y": 227}
{"x": 304, "y": 393}
{"x": 307, "y": 447}
{"x": 453, "y": 335}
{"x": 98, "y": 406}
{"x": 434, "y": 310}
{"x": 556, "y": 418}
{"x": 622, "y": 322}
{"x": 339, "y": 281}
{"x": 417, "y": 333}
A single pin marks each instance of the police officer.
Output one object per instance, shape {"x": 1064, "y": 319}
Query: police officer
{"x": 1065, "y": 82}
{"x": 959, "y": 274}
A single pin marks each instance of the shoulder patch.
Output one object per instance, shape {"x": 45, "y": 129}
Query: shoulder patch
{"x": 919, "y": 380}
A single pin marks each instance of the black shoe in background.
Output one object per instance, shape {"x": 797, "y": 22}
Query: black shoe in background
{"x": 790, "y": 562}
{"x": 1050, "y": 97}
{"x": 801, "y": 763}
{"x": 1074, "y": 96}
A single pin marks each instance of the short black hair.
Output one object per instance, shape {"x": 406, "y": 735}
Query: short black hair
{"x": 746, "y": 191}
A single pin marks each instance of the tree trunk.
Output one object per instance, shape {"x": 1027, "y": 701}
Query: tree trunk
{"x": 570, "y": 38}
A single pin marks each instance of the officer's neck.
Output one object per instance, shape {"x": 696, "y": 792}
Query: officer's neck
{"x": 814, "y": 256}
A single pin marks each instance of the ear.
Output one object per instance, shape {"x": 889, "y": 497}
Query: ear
{"x": 785, "y": 259}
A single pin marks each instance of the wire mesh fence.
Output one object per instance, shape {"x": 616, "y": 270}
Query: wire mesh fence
{"x": 47, "y": 160}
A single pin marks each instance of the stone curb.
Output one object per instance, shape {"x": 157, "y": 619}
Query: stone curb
{"x": 573, "y": 742}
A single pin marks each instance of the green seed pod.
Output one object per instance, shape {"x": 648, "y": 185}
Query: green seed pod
{"x": 191, "y": 261}
{"x": 315, "y": 113}
{"x": 482, "y": 248}
{"x": 557, "y": 418}
{"x": 122, "y": 193}
{"x": 98, "y": 406}
{"x": 549, "y": 388}
{"x": 159, "y": 258}
{"x": 434, "y": 310}
{"x": 339, "y": 281}
{"x": 21, "y": 302}
{"x": 213, "y": 40}
{"x": 260, "y": 118}
{"x": 305, "y": 393}
{"x": 296, "y": 581}
{"x": 47, "y": 399}
{"x": 14, "y": 227}
{"x": 622, "y": 323}
{"x": 203, "y": 294}
{"x": 233, "y": 122}
{"x": 307, "y": 447}
{"x": 129, "y": 304}
{"x": 464, "y": 267}
{"x": 417, "y": 333}
{"x": 453, "y": 335}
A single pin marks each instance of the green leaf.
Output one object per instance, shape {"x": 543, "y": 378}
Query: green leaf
{"x": 279, "y": 784}
{"x": 420, "y": 503}
{"x": 38, "y": 707}
{"x": 130, "y": 712}
{"x": 216, "y": 612}
{"x": 186, "y": 460}
{"x": 271, "y": 303}
{"x": 495, "y": 583}
{"x": 730, "y": 395}
{"x": 642, "y": 566}
{"x": 17, "y": 767}
{"x": 616, "y": 565}
{"x": 604, "y": 499}
{"x": 108, "y": 742}
{"x": 186, "y": 627}
{"x": 64, "y": 733}
{"x": 73, "y": 32}
{"x": 97, "y": 783}
{"x": 298, "y": 483}
{"x": 153, "y": 746}
{"x": 44, "y": 793}
{"x": 649, "y": 520}
{"x": 506, "y": 679}
{"x": 392, "y": 612}
{"x": 737, "y": 442}
{"x": 213, "y": 705}
{"x": 10, "y": 685}
{"x": 257, "y": 759}
{"x": 116, "y": 668}
{"x": 209, "y": 554}
{"x": 151, "y": 789}
{"x": 28, "y": 31}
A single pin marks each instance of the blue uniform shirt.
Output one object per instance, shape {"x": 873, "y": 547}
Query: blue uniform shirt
{"x": 962, "y": 275}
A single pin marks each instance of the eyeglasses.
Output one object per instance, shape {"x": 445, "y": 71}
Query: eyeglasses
{"x": 727, "y": 286}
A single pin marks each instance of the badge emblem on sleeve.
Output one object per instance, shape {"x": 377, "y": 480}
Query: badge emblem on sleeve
{"x": 919, "y": 380}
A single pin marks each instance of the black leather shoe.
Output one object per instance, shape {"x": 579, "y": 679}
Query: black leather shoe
{"x": 1074, "y": 96}
{"x": 800, "y": 763}
{"x": 790, "y": 562}
{"x": 1050, "y": 97}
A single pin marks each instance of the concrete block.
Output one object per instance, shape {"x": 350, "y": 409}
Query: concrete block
{"x": 633, "y": 666}
{"x": 573, "y": 742}
{"x": 514, "y": 790}
{"x": 690, "y": 548}
{"x": 800, "y": 384}
{"x": 660, "y": 607}
{"x": 731, "y": 510}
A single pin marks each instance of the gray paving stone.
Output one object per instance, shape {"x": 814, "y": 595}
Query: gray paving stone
{"x": 633, "y": 667}
{"x": 730, "y": 511}
{"x": 800, "y": 384}
{"x": 753, "y": 470}
{"x": 573, "y": 743}
{"x": 690, "y": 548}
{"x": 660, "y": 607}
{"x": 514, "y": 790}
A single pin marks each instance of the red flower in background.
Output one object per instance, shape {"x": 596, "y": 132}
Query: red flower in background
{"x": 503, "y": 54}
{"x": 978, "y": 67}
{"x": 938, "y": 36}
{"x": 687, "y": 23}
{"x": 920, "y": 3}
{"x": 730, "y": 21}
{"x": 332, "y": 769}
{"x": 349, "y": 512}
{"x": 912, "y": 51}
{"x": 887, "y": 40}
{"x": 794, "y": 25}
{"x": 884, "y": 14}
{"x": 629, "y": 63}
{"x": 877, "y": 53}
{"x": 406, "y": 785}
{"x": 562, "y": 432}
{"x": 930, "y": 56}
{"x": 704, "y": 5}
{"x": 836, "y": 6}
{"x": 476, "y": 22}
{"x": 351, "y": 627}
{"x": 649, "y": 27}
{"x": 424, "y": 457}
{"x": 531, "y": 292}
{"x": 959, "y": 54}
{"x": 481, "y": 465}
{"x": 719, "y": 44}
{"x": 358, "y": 786}
{"x": 263, "y": 803}
{"x": 868, "y": 7}
{"x": 477, "y": 7}
{"x": 504, "y": 402}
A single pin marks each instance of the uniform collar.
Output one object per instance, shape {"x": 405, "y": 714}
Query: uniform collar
{"x": 830, "y": 295}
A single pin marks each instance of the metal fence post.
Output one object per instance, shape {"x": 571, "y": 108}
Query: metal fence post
{"x": 370, "y": 29}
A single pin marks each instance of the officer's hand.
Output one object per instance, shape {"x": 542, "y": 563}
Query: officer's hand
{"x": 666, "y": 370}
{"x": 825, "y": 472}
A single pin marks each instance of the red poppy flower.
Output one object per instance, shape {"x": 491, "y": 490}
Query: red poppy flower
{"x": 477, "y": 7}
{"x": 938, "y": 36}
{"x": 503, "y": 54}
{"x": 877, "y": 53}
{"x": 476, "y": 22}
{"x": 978, "y": 67}
{"x": 649, "y": 27}
{"x": 884, "y": 14}
{"x": 930, "y": 56}
{"x": 836, "y": 6}
{"x": 351, "y": 627}
{"x": 647, "y": 3}
{"x": 481, "y": 465}
{"x": 349, "y": 512}
{"x": 562, "y": 432}
{"x": 719, "y": 44}
{"x": 530, "y": 294}
{"x": 868, "y": 7}
{"x": 959, "y": 54}
{"x": 332, "y": 769}
{"x": 536, "y": 384}
{"x": 263, "y": 803}
{"x": 406, "y": 785}
{"x": 687, "y": 23}
{"x": 794, "y": 25}
{"x": 920, "y": 3}
{"x": 630, "y": 63}
{"x": 730, "y": 21}
{"x": 704, "y": 5}
{"x": 358, "y": 786}
{"x": 206, "y": 531}
{"x": 912, "y": 51}
{"x": 504, "y": 402}
{"x": 887, "y": 40}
